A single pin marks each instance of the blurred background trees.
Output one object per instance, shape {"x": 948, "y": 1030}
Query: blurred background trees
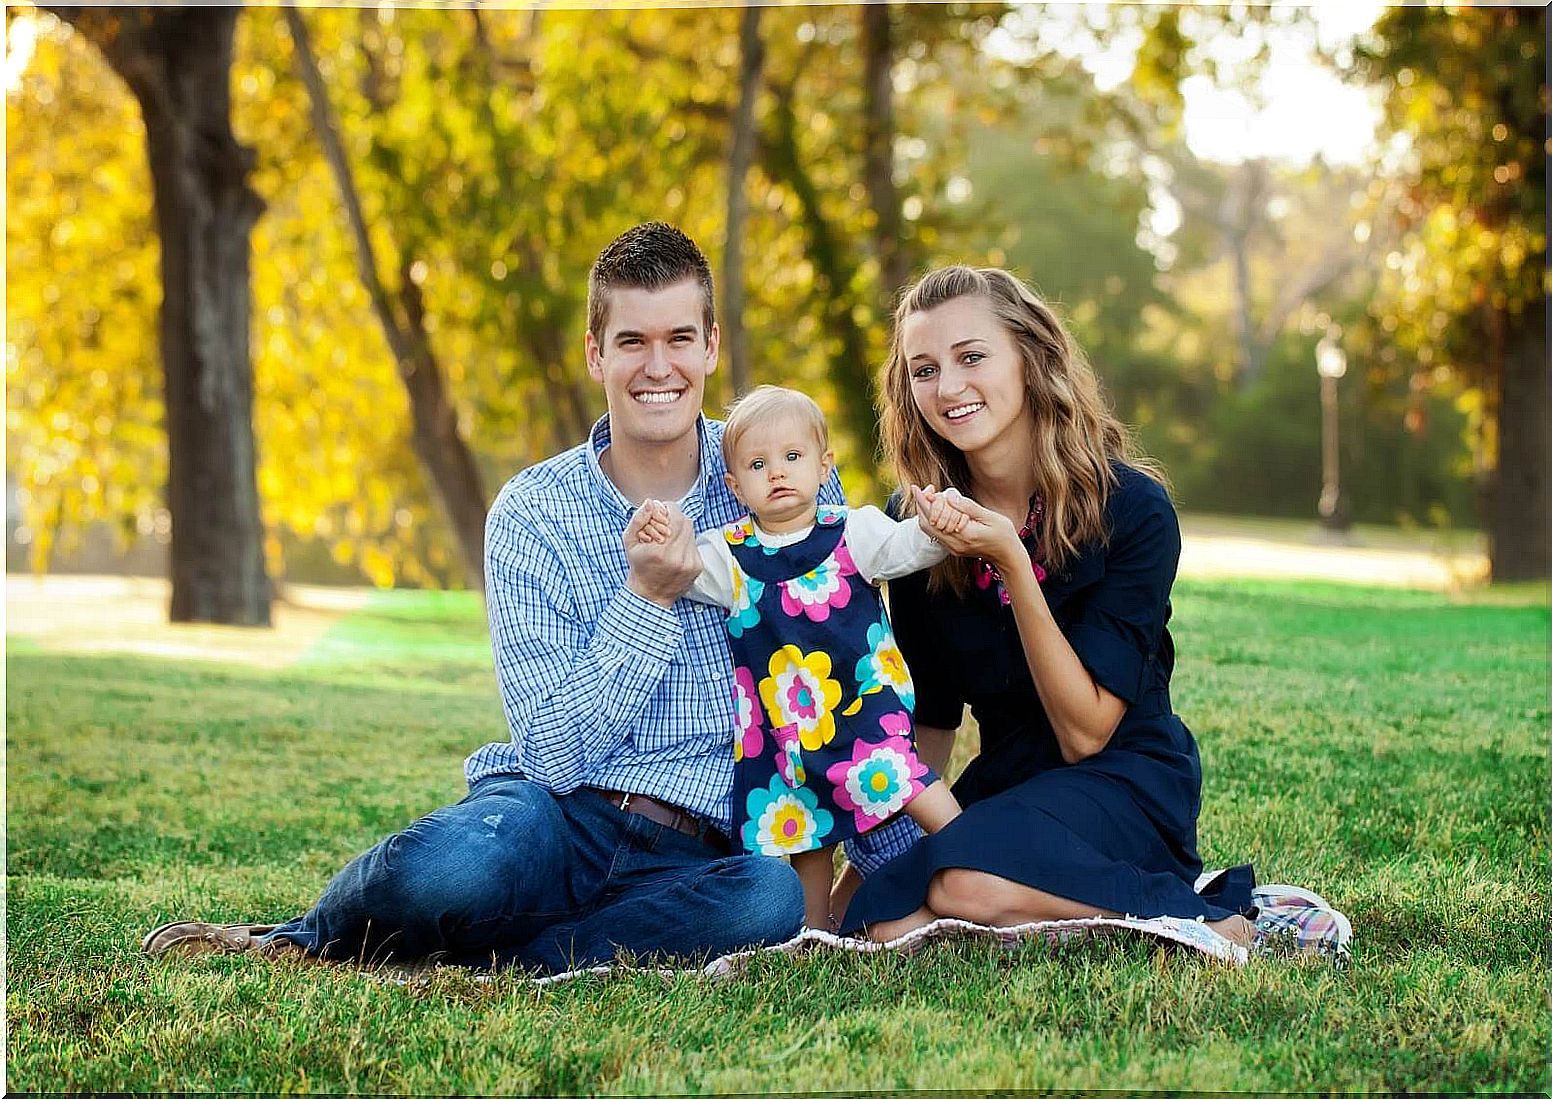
{"x": 414, "y": 345}
{"x": 1461, "y": 305}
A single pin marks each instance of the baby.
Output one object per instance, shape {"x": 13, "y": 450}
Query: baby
{"x": 824, "y": 747}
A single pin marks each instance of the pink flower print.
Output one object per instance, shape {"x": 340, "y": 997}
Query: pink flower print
{"x": 814, "y": 593}
{"x": 877, "y": 781}
{"x": 748, "y": 736}
{"x": 896, "y": 724}
{"x": 789, "y": 756}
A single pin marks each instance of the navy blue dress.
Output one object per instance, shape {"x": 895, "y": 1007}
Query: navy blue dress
{"x": 1116, "y": 830}
{"x": 823, "y": 750}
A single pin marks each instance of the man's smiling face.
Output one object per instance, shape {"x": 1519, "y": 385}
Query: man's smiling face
{"x": 653, "y": 361}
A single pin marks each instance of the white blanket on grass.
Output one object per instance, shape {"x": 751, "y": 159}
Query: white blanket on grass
{"x": 1280, "y": 907}
{"x": 1191, "y": 933}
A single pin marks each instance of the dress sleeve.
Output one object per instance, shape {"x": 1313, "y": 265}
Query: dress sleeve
{"x": 1119, "y": 627}
{"x": 883, "y": 548}
{"x": 715, "y": 583}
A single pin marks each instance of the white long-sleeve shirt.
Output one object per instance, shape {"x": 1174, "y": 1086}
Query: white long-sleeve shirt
{"x": 880, "y": 547}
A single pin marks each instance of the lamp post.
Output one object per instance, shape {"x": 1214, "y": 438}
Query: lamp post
{"x": 1331, "y": 364}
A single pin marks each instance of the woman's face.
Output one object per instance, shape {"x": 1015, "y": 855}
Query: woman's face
{"x": 967, "y": 377}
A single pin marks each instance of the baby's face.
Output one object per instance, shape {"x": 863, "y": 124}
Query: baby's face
{"x": 776, "y": 472}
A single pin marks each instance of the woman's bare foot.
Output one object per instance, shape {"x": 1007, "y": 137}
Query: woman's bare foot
{"x": 1237, "y": 929}
{"x": 890, "y": 930}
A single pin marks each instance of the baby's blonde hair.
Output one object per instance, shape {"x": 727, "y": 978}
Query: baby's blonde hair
{"x": 766, "y": 402}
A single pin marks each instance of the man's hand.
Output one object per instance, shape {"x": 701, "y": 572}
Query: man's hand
{"x": 661, "y": 571}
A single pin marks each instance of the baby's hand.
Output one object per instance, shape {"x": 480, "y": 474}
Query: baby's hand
{"x": 649, "y": 525}
{"x": 657, "y": 528}
{"x": 941, "y": 512}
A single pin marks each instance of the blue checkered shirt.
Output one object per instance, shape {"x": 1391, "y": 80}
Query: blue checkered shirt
{"x": 601, "y": 686}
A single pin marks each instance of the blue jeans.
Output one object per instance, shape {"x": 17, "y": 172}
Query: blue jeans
{"x": 516, "y": 875}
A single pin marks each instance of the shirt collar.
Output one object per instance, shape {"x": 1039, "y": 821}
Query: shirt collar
{"x": 694, "y": 501}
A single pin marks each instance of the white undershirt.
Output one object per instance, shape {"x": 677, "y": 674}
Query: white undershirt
{"x": 880, "y": 547}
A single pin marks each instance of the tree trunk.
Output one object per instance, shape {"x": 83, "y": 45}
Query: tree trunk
{"x": 1249, "y": 351}
{"x": 894, "y": 266}
{"x": 1242, "y": 210}
{"x": 177, "y": 62}
{"x": 1517, "y": 511}
{"x": 735, "y": 339}
{"x": 438, "y": 443}
{"x": 570, "y": 416}
{"x": 849, "y": 363}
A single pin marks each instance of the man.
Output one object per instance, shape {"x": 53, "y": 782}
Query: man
{"x": 601, "y": 824}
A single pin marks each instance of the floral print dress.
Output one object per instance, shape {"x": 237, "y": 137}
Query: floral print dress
{"x": 823, "y": 749}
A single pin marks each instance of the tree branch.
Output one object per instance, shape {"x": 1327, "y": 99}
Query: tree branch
{"x": 878, "y": 156}
{"x": 438, "y": 442}
{"x": 334, "y": 152}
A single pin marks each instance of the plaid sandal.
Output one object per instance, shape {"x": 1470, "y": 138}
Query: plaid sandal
{"x": 1295, "y": 922}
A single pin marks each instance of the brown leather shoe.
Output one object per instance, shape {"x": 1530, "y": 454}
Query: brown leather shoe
{"x": 188, "y": 938}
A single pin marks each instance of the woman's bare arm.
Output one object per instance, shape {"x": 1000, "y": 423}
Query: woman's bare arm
{"x": 1083, "y": 714}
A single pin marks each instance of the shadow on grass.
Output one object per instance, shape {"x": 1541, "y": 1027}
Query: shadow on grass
{"x": 161, "y": 764}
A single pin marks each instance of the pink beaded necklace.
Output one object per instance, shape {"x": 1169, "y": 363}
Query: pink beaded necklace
{"x": 986, "y": 573}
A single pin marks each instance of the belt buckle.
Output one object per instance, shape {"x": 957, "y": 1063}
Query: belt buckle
{"x": 625, "y": 803}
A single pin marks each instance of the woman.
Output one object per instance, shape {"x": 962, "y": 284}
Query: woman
{"x": 1049, "y": 622}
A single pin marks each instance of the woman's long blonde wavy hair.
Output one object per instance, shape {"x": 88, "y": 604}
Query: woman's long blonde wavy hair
{"x": 1076, "y": 435}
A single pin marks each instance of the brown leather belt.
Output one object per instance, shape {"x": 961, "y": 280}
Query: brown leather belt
{"x": 670, "y": 816}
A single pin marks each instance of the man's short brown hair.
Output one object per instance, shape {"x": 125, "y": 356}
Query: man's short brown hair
{"x": 651, "y": 256}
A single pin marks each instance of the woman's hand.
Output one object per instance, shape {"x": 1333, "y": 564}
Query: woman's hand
{"x": 968, "y": 529}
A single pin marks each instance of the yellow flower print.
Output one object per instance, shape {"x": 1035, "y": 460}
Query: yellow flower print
{"x": 799, "y": 691}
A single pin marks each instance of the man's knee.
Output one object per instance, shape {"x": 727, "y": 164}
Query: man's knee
{"x": 769, "y": 898}
{"x": 462, "y": 856}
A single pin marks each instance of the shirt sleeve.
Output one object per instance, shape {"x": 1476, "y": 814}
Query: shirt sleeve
{"x": 572, "y": 689}
{"x": 1120, "y": 625}
{"x": 883, "y": 548}
{"x": 830, "y": 492}
{"x": 715, "y": 583}
{"x": 871, "y": 850}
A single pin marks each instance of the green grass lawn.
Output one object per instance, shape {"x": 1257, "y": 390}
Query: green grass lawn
{"x": 1386, "y": 748}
